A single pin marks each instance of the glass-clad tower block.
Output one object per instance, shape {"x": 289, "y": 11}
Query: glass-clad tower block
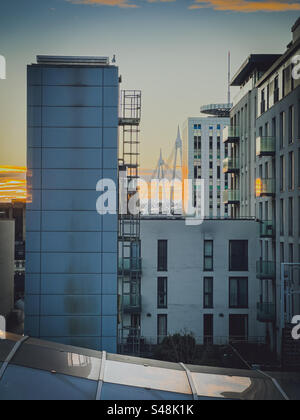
{"x": 71, "y": 251}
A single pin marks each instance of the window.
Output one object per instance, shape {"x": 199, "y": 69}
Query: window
{"x": 208, "y": 293}
{"x": 208, "y": 255}
{"x": 291, "y": 170}
{"x": 291, "y": 216}
{"x": 238, "y": 327}
{"x": 276, "y": 89}
{"x": 238, "y": 293}
{"x": 291, "y": 124}
{"x": 263, "y": 102}
{"x": 162, "y": 328}
{"x": 286, "y": 81}
{"x": 282, "y": 173}
{"x": 281, "y": 252}
{"x": 162, "y": 293}
{"x": 208, "y": 328}
{"x": 282, "y": 129}
{"x": 195, "y": 143}
{"x": 238, "y": 256}
{"x": 281, "y": 217}
{"x": 274, "y": 134}
{"x": 162, "y": 264}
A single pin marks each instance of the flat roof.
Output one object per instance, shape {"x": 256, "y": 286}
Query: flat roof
{"x": 72, "y": 60}
{"x": 217, "y": 110}
{"x": 254, "y": 61}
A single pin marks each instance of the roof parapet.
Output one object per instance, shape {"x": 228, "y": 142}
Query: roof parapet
{"x": 72, "y": 60}
{"x": 296, "y": 30}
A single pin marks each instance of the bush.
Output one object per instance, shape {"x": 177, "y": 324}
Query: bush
{"x": 177, "y": 348}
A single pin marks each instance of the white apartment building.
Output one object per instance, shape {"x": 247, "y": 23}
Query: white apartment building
{"x": 198, "y": 279}
{"x": 263, "y": 140}
{"x": 204, "y": 152}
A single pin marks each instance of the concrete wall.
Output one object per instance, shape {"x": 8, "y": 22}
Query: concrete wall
{"x": 71, "y": 251}
{"x": 7, "y": 256}
{"x": 185, "y": 276}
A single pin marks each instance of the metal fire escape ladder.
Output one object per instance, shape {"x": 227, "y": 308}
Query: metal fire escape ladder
{"x": 129, "y": 225}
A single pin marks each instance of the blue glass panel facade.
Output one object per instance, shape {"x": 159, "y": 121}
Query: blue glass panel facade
{"x": 71, "y": 251}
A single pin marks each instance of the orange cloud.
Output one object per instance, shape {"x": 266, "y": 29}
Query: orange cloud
{"x": 246, "y": 6}
{"x": 119, "y": 3}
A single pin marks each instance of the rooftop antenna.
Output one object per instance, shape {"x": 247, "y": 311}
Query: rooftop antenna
{"x": 229, "y": 77}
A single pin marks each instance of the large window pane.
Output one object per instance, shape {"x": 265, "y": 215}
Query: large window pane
{"x": 238, "y": 292}
{"x": 162, "y": 292}
{"x": 208, "y": 292}
{"x": 162, "y": 264}
{"x": 208, "y": 255}
{"x": 238, "y": 256}
{"x": 162, "y": 327}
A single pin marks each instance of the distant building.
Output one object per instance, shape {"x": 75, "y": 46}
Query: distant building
{"x": 16, "y": 210}
{"x": 204, "y": 152}
{"x": 7, "y": 251}
{"x": 71, "y": 251}
{"x": 198, "y": 279}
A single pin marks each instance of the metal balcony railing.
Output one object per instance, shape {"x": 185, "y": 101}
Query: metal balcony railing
{"x": 265, "y": 146}
{"x": 267, "y": 229}
{"x": 130, "y": 264}
{"x": 231, "y": 134}
{"x": 231, "y": 197}
{"x": 266, "y": 312}
{"x": 265, "y": 187}
{"x": 266, "y": 270}
{"x": 132, "y": 303}
{"x": 231, "y": 165}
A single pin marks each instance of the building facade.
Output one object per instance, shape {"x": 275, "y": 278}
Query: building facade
{"x": 198, "y": 279}
{"x": 71, "y": 251}
{"x": 278, "y": 181}
{"x": 204, "y": 152}
{"x": 263, "y": 137}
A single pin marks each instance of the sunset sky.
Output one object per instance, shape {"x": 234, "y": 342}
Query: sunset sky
{"x": 175, "y": 51}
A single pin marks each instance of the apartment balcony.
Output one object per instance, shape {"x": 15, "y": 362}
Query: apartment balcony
{"x": 265, "y": 146}
{"x": 266, "y": 312}
{"x": 132, "y": 303}
{"x": 231, "y": 134}
{"x": 265, "y": 187}
{"x": 231, "y": 166}
{"x": 267, "y": 229}
{"x": 231, "y": 197}
{"x": 266, "y": 270}
{"x": 128, "y": 265}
